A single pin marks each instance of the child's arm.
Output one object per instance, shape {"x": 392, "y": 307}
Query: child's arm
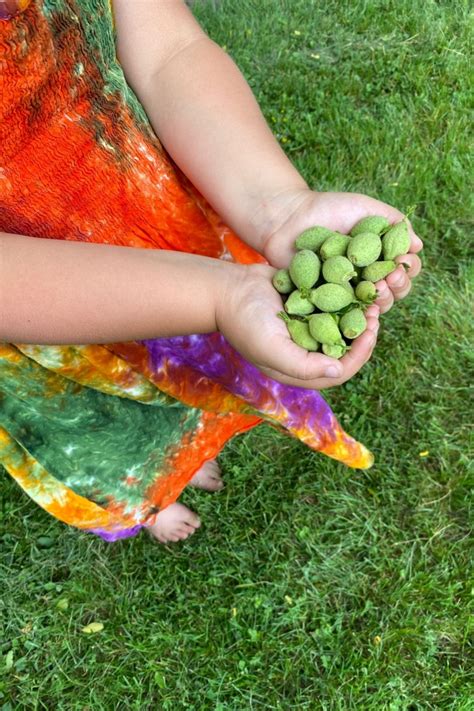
{"x": 204, "y": 113}
{"x": 60, "y": 292}
{"x": 209, "y": 121}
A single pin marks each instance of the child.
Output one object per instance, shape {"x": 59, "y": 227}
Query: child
{"x": 125, "y": 125}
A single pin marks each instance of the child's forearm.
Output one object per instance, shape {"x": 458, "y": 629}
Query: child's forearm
{"x": 62, "y": 292}
{"x": 209, "y": 121}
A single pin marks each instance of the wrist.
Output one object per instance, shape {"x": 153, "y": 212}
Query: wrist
{"x": 227, "y": 282}
{"x": 273, "y": 211}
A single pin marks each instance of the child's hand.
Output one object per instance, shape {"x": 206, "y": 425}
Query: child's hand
{"x": 246, "y": 314}
{"x": 341, "y": 211}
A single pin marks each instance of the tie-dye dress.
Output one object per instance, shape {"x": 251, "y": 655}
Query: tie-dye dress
{"x": 103, "y": 437}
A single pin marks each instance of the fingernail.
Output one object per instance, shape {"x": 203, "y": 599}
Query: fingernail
{"x": 332, "y": 372}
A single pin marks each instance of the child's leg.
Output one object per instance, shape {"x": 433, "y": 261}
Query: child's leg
{"x": 177, "y": 522}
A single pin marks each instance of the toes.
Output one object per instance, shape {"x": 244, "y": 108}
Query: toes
{"x": 175, "y": 523}
{"x": 212, "y": 466}
{"x": 184, "y": 533}
{"x": 173, "y": 537}
{"x": 186, "y": 517}
{"x": 207, "y": 476}
{"x": 192, "y": 519}
{"x": 216, "y": 483}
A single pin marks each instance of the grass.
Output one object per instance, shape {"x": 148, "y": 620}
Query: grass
{"x": 309, "y": 586}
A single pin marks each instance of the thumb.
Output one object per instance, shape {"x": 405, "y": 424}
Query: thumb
{"x": 289, "y": 363}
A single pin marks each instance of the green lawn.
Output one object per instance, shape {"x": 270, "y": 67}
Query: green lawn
{"x": 309, "y": 586}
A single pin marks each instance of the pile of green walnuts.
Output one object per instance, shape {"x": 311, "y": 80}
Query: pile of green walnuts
{"x": 331, "y": 281}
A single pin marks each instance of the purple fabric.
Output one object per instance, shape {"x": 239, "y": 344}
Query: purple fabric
{"x": 111, "y": 536}
{"x": 213, "y": 357}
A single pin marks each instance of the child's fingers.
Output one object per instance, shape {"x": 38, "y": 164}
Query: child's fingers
{"x": 296, "y": 366}
{"x": 312, "y": 370}
{"x": 372, "y": 315}
{"x": 413, "y": 263}
{"x": 399, "y": 283}
{"x": 359, "y": 354}
{"x": 362, "y": 347}
{"x": 385, "y": 297}
{"x": 397, "y": 279}
{"x": 416, "y": 245}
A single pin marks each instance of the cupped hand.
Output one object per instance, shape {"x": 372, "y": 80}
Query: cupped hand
{"x": 246, "y": 314}
{"x": 340, "y": 212}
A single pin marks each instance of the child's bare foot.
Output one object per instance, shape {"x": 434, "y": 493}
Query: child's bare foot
{"x": 208, "y": 477}
{"x": 176, "y": 522}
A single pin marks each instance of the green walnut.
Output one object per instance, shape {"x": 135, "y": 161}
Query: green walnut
{"x": 298, "y": 305}
{"x": 364, "y": 249}
{"x": 334, "y": 246}
{"x": 338, "y": 270}
{"x": 396, "y": 241}
{"x": 378, "y": 270}
{"x": 375, "y": 224}
{"x": 323, "y": 328}
{"x": 313, "y": 238}
{"x": 348, "y": 286}
{"x": 304, "y": 269}
{"x": 331, "y": 297}
{"x": 282, "y": 281}
{"x": 366, "y": 292}
{"x": 299, "y": 332}
{"x": 353, "y": 323}
{"x": 335, "y": 350}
